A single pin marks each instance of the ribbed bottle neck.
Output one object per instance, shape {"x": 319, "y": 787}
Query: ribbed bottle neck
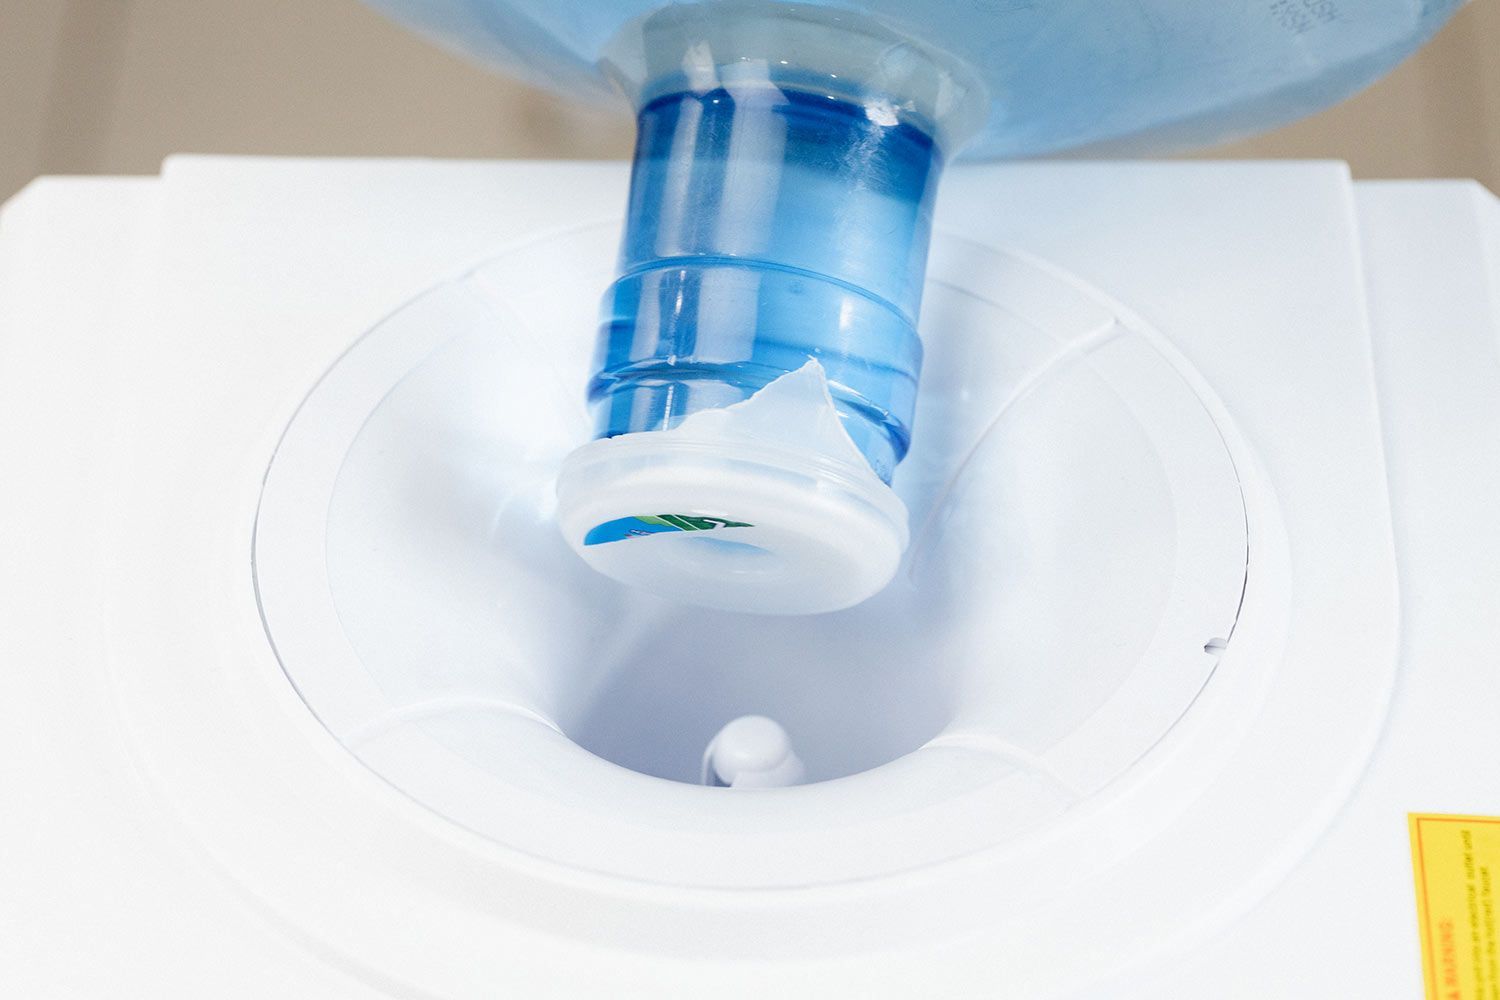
{"x": 768, "y": 226}
{"x": 780, "y": 211}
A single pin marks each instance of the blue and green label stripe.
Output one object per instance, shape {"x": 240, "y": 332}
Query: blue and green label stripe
{"x": 653, "y": 524}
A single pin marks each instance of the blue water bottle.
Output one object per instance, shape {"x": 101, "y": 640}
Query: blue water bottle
{"x": 758, "y": 361}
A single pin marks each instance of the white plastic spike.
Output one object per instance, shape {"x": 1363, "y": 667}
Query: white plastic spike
{"x": 752, "y": 752}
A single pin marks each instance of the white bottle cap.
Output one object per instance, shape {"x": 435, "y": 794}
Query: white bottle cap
{"x": 766, "y": 506}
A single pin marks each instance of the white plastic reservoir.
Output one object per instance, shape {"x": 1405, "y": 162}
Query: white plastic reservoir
{"x": 1077, "y": 564}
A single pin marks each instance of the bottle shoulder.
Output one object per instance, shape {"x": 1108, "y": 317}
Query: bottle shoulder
{"x": 1130, "y": 77}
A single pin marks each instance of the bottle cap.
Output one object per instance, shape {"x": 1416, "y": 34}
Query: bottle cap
{"x": 766, "y": 506}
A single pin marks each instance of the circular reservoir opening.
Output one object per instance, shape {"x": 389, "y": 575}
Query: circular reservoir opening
{"x": 1078, "y": 536}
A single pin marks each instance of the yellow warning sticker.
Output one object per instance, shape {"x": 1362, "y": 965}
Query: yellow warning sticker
{"x": 1456, "y": 861}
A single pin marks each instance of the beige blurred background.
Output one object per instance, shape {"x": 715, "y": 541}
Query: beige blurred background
{"x": 113, "y": 86}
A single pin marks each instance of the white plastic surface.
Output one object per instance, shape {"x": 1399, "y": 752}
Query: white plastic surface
{"x": 1343, "y": 923}
{"x": 192, "y": 828}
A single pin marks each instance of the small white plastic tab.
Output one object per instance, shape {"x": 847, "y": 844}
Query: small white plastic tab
{"x": 766, "y": 506}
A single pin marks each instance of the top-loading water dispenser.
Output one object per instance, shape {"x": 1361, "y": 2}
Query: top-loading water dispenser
{"x": 1159, "y": 612}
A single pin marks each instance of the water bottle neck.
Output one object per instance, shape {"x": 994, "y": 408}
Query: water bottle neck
{"x": 768, "y": 226}
{"x": 801, "y": 180}
{"x": 780, "y": 211}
